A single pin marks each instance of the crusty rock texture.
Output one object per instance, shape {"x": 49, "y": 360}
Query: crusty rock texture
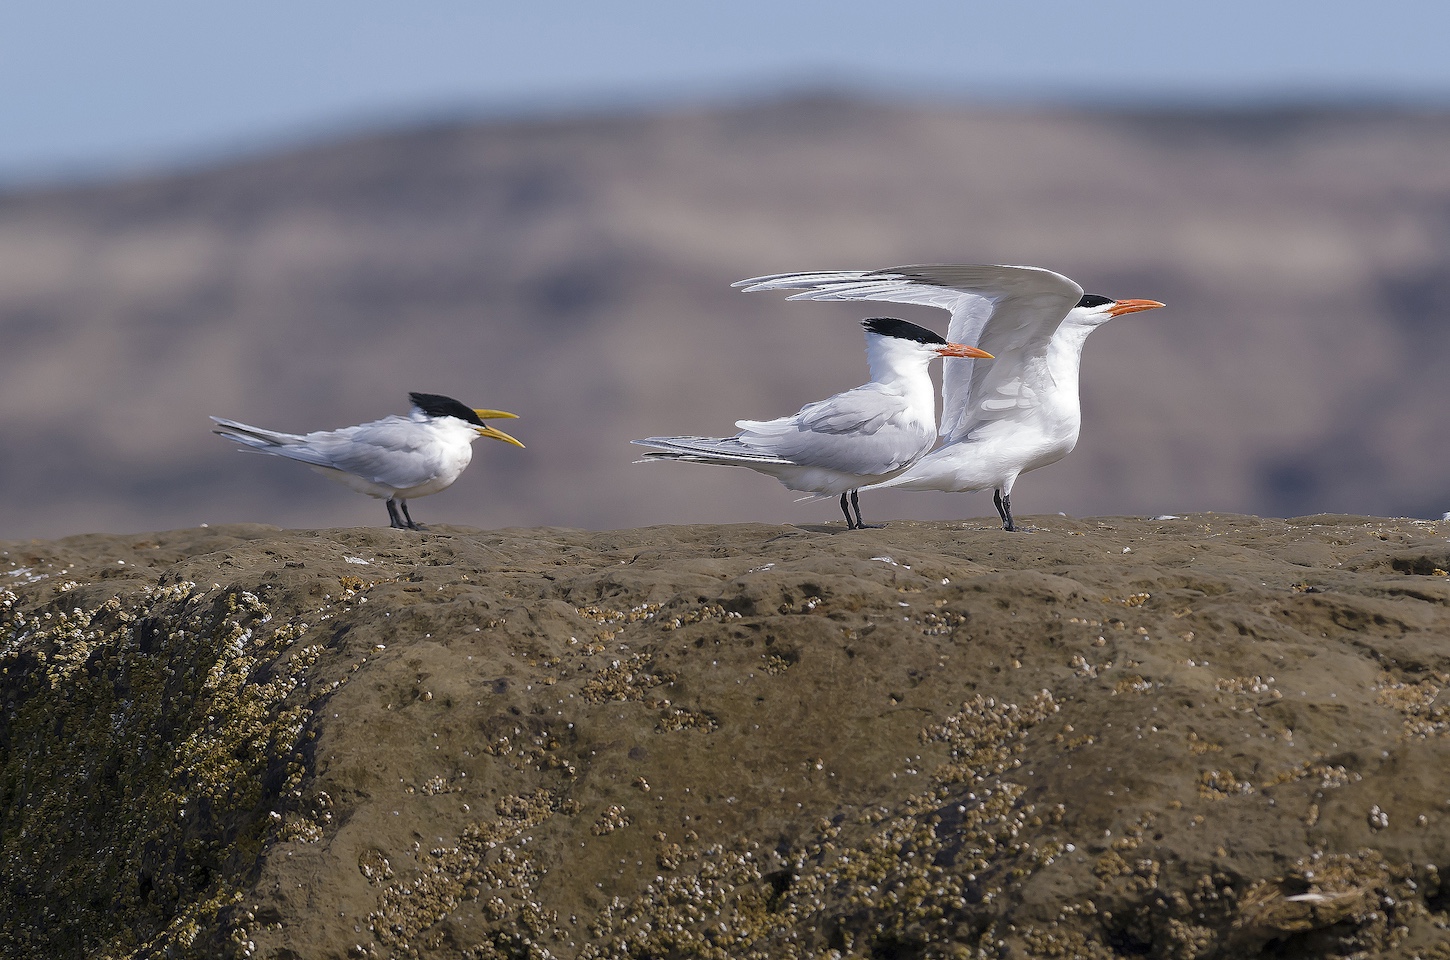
{"x": 1207, "y": 736}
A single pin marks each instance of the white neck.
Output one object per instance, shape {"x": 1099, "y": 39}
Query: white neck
{"x": 901, "y": 365}
{"x": 892, "y": 359}
{"x": 1064, "y": 355}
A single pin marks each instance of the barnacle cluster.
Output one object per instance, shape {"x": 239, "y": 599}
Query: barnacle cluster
{"x": 523, "y": 764}
{"x": 900, "y": 876}
{"x": 628, "y": 679}
{"x": 482, "y": 860}
{"x": 1424, "y": 715}
{"x": 152, "y": 735}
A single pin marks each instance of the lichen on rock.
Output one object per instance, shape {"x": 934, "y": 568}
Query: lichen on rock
{"x": 736, "y": 742}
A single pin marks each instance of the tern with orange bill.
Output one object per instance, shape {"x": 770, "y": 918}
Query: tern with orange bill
{"x": 394, "y": 459}
{"x": 837, "y": 445}
{"x": 1000, "y": 417}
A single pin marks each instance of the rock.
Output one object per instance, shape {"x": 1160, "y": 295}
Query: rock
{"x": 928, "y": 740}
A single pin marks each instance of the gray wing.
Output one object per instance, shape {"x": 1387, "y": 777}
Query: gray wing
{"x": 394, "y": 451}
{"x": 1009, "y": 311}
{"x": 707, "y": 449}
{"x": 864, "y": 431}
{"x": 288, "y": 445}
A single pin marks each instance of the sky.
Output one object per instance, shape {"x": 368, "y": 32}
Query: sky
{"x": 95, "y": 89}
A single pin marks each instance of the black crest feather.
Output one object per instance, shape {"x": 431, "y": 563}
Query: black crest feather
{"x": 1093, "y": 300}
{"x": 437, "y": 405}
{"x": 901, "y": 329}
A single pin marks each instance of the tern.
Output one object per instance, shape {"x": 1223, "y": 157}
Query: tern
{"x": 1003, "y": 417}
{"x": 836, "y": 445}
{"x": 395, "y": 458}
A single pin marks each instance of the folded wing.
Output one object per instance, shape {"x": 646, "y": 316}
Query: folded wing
{"x": 864, "y": 431}
{"x": 390, "y": 452}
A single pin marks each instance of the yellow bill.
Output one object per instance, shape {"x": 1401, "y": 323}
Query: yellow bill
{"x": 497, "y": 435}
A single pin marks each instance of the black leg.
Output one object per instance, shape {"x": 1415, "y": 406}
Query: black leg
{"x": 396, "y": 521}
{"x": 407, "y": 516}
{"x": 862, "y": 524}
{"x": 850, "y": 524}
{"x": 1004, "y": 510}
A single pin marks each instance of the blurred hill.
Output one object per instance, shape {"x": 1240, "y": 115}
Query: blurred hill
{"x": 577, "y": 271}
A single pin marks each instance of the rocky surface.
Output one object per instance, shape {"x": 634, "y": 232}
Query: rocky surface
{"x": 1207, "y": 736}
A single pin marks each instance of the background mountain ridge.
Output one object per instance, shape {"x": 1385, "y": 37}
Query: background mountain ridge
{"x": 576, "y": 270}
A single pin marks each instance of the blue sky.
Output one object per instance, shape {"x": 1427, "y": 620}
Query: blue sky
{"x": 93, "y": 88}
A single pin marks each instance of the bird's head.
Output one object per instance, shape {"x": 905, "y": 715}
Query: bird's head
{"x": 1093, "y": 310}
{"x": 437, "y": 405}
{"x": 891, "y": 340}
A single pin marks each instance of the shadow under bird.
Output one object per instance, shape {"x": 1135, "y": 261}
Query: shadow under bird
{"x": 1000, "y": 417}
{"x": 394, "y": 459}
{"x": 847, "y": 441}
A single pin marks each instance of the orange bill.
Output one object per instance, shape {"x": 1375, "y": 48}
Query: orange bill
{"x": 961, "y": 350}
{"x": 1121, "y": 307}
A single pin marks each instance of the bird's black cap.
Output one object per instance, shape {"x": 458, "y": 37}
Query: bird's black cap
{"x": 902, "y": 330}
{"x": 1093, "y": 300}
{"x": 437, "y": 405}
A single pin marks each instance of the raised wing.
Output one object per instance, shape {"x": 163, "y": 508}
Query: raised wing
{"x": 1011, "y": 312}
{"x": 969, "y": 310}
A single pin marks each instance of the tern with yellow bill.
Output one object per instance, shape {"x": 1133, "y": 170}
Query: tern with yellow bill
{"x": 1000, "y": 417}
{"x": 394, "y": 459}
